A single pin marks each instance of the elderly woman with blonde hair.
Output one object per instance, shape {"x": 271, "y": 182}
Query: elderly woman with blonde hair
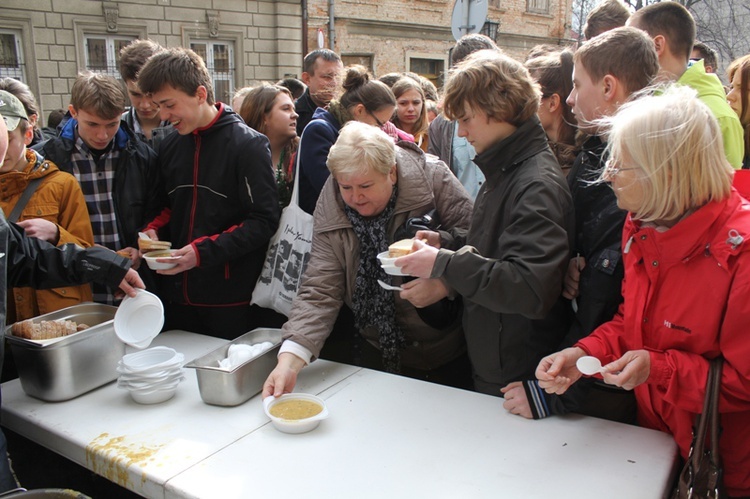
{"x": 375, "y": 187}
{"x": 687, "y": 278}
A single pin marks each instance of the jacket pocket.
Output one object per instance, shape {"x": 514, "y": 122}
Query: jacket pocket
{"x": 50, "y": 212}
{"x": 54, "y": 299}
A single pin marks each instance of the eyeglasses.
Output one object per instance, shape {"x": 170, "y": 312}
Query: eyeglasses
{"x": 611, "y": 169}
{"x": 380, "y": 123}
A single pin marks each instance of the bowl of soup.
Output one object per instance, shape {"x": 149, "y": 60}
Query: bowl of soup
{"x": 160, "y": 260}
{"x": 295, "y": 412}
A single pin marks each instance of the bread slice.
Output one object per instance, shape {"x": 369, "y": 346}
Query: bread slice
{"x": 23, "y": 329}
{"x": 45, "y": 330}
{"x": 146, "y": 245}
{"x": 400, "y": 248}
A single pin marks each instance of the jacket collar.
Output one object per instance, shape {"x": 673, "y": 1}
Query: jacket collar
{"x": 123, "y": 136}
{"x": 414, "y": 190}
{"x": 16, "y": 181}
{"x": 698, "y": 234}
{"x": 528, "y": 140}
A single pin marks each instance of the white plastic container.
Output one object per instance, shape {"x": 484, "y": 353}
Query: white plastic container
{"x": 295, "y": 425}
{"x": 139, "y": 319}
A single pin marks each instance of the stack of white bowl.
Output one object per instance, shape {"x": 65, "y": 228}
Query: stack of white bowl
{"x": 151, "y": 376}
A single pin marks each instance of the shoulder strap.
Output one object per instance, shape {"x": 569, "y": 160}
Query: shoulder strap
{"x": 24, "y": 200}
{"x": 295, "y": 187}
{"x": 708, "y": 420}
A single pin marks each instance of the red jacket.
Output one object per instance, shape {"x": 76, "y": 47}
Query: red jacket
{"x": 687, "y": 300}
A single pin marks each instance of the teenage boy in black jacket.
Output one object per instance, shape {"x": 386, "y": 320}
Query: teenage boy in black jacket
{"x": 219, "y": 196}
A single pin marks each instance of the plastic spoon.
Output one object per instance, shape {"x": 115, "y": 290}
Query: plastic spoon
{"x": 589, "y": 365}
{"x": 388, "y": 287}
{"x": 143, "y": 236}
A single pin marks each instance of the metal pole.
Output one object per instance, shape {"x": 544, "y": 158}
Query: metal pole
{"x": 305, "y": 49}
{"x": 465, "y": 9}
{"x": 331, "y": 27}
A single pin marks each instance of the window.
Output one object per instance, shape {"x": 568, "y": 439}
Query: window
{"x": 219, "y": 59}
{"x": 432, "y": 69}
{"x": 103, "y": 53}
{"x": 11, "y": 55}
{"x": 364, "y": 60}
{"x": 537, "y": 6}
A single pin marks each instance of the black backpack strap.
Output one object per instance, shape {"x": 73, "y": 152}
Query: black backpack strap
{"x": 24, "y": 200}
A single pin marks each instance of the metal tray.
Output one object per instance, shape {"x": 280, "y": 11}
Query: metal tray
{"x": 229, "y": 388}
{"x": 64, "y": 368}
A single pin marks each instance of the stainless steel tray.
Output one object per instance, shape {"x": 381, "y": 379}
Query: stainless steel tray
{"x": 229, "y": 388}
{"x": 64, "y": 368}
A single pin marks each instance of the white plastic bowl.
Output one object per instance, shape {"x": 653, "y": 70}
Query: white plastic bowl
{"x": 153, "y": 396}
{"x": 148, "y": 386}
{"x": 139, "y": 319}
{"x": 393, "y": 270}
{"x": 295, "y": 425}
{"x": 152, "y": 359}
{"x": 151, "y": 257}
{"x": 384, "y": 259}
{"x": 388, "y": 264}
{"x": 139, "y": 379}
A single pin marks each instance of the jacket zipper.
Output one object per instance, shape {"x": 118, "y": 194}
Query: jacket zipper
{"x": 193, "y": 208}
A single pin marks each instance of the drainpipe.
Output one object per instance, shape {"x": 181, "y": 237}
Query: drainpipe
{"x": 331, "y": 27}
{"x": 305, "y": 49}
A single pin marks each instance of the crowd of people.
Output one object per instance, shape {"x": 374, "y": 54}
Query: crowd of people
{"x": 580, "y": 202}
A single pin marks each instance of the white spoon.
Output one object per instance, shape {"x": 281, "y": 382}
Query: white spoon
{"x": 143, "y": 236}
{"x": 388, "y": 287}
{"x": 589, "y": 365}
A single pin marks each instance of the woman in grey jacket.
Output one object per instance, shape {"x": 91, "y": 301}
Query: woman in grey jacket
{"x": 375, "y": 186}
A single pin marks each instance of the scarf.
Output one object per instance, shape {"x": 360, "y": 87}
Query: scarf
{"x": 373, "y": 305}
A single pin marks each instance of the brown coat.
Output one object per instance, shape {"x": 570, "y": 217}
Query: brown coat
{"x": 58, "y": 198}
{"x": 424, "y": 183}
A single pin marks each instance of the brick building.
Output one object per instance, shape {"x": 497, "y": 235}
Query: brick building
{"x": 415, "y": 35}
{"x": 45, "y": 43}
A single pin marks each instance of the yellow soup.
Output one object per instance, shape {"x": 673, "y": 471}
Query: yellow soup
{"x": 295, "y": 409}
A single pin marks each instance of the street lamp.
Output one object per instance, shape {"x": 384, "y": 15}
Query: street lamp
{"x": 490, "y": 29}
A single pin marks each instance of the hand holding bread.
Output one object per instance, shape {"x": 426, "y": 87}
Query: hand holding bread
{"x": 419, "y": 261}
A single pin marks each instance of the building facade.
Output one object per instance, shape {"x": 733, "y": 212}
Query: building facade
{"x": 416, "y": 35}
{"x": 45, "y": 43}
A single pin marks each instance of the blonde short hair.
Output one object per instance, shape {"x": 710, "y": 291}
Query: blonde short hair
{"x": 496, "y": 84}
{"x": 361, "y": 148}
{"x": 675, "y": 139}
